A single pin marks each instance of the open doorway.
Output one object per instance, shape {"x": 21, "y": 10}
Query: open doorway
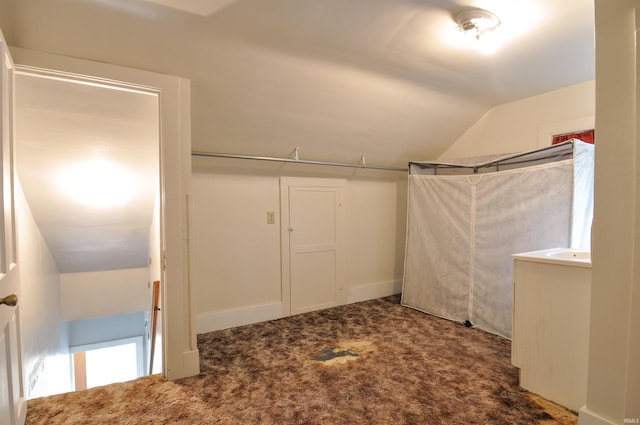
{"x": 108, "y": 362}
{"x": 87, "y": 159}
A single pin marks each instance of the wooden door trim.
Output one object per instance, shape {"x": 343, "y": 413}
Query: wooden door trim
{"x": 80, "y": 370}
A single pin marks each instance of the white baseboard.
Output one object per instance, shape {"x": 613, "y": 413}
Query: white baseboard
{"x": 373, "y": 291}
{"x": 225, "y": 319}
{"x": 190, "y": 366}
{"x": 191, "y": 361}
{"x": 587, "y": 417}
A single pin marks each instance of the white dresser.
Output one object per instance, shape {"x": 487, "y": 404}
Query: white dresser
{"x": 550, "y": 345}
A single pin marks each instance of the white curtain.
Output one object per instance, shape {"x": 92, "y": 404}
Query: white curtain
{"x": 463, "y": 229}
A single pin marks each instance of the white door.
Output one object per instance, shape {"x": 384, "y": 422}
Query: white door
{"x": 13, "y": 406}
{"x": 315, "y": 245}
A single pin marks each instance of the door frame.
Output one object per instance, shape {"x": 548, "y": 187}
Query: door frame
{"x": 285, "y": 184}
{"x": 179, "y": 344}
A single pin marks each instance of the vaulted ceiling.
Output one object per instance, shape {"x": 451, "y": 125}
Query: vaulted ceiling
{"x": 393, "y": 79}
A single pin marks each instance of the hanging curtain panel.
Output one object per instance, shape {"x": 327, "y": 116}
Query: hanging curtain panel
{"x": 582, "y": 213}
{"x": 434, "y": 280}
{"x": 464, "y": 225}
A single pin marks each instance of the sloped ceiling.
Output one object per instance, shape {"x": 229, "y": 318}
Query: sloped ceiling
{"x": 389, "y": 78}
{"x": 392, "y": 79}
{"x": 61, "y": 125}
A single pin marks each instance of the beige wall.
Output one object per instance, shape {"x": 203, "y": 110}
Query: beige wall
{"x": 528, "y": 123}
{"x": 376, "y": 221}
{"x": 236, "y": 255}
{"x": 104, "y": 293}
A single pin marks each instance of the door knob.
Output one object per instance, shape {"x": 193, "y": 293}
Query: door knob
{"x": 11, "y": 300}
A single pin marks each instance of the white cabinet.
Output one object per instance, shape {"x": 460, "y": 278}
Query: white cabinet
{"x": 551, "y": 326}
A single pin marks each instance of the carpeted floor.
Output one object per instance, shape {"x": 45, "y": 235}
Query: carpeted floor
{"x": 367, "y": 363}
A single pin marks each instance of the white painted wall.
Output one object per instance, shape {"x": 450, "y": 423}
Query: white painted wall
{"x": 107, "y": 328}
{"x": 375, "y": 240}
{"x": 44, "y": 334}
{"x": 613, "y": 393}
{"x": 528, "y": 123}
{"x": 96, "y": 294}
{"x": 236, "y": 254}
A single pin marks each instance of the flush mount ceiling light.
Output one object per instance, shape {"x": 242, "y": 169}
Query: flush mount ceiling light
{"x": 97, "y": 183}
{"x": 476, "y": 22}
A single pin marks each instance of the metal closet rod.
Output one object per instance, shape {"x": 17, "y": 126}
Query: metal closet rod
{"x": 296, "y": 160}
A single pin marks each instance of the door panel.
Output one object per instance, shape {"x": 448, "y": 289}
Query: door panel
{"x": 5, "y": 405}
{"x": 314, "y": 281}
{"x": 314, "y": 215}
{"x": 12, "y": 400}
{"x": 13, "y": 406}
{"x": 314, "y": 248}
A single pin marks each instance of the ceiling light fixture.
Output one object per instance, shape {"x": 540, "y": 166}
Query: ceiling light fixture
{"x": 476, "y": 22}
{"x": 98, "y": 183}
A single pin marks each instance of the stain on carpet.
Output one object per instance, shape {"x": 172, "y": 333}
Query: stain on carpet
{"x": 410, "y": 369}
{"x": 557, "y": 414}
{"x": 343, "y": 352}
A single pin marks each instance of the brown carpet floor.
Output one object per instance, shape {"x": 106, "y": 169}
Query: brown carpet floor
{"x": 373, "y": 362}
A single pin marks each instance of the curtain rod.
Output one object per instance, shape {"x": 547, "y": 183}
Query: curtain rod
{"x": 296, "y": 160}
